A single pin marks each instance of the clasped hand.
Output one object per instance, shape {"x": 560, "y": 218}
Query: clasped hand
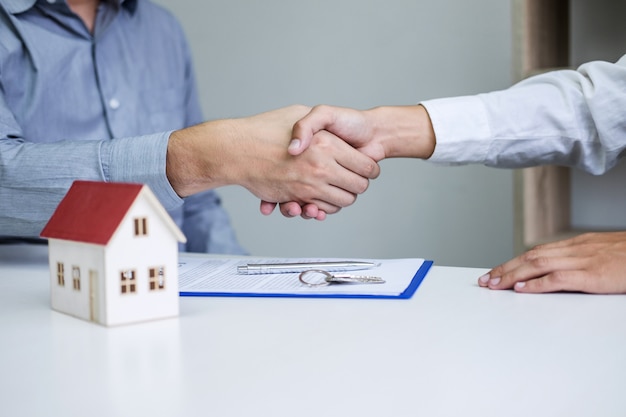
{"x": 325, "y": 177}
{"x": 351, "y": 126}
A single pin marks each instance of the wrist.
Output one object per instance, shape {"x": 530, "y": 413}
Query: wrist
{"x": 403, "y": 131}
{"x": 197, "y": 157}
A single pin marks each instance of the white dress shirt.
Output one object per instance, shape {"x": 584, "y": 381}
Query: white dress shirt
{"x": 573, "y": 118}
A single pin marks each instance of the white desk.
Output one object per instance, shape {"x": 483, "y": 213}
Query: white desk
{"x": 454, "y": 349}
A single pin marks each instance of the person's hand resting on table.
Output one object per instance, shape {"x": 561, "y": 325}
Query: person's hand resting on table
{"x": 590, "y": 263}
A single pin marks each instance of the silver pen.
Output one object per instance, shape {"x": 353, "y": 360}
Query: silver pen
{"x": 285, "y": 268}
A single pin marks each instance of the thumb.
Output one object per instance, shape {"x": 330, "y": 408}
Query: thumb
{"x": 296, "y": 146}
{"x": 305, "y": 128}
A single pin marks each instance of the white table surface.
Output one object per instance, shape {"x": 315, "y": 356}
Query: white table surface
{"x": 454, "y": 349}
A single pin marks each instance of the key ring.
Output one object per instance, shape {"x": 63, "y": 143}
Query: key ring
{"x": 315, "y": 272}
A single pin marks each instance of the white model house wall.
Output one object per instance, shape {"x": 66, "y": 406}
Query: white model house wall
{"x": 154, "y": 248}
{"x": 82, "y": 262}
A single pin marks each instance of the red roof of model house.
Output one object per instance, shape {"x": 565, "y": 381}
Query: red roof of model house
{"x": 91, "y": 211}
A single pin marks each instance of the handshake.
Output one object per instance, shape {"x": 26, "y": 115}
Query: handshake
{"x": 309, "y": 162}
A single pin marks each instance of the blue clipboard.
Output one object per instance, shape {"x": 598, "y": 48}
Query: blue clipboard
{"x": 406, "y": 294}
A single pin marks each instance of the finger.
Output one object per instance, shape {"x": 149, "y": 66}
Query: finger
{"x": 347, "y": 186}
{"x": 340, "y": 173}
{"x": 348, "y": 157}
{"x": 359, "y": 163}
{"x": 536, "y": 268}
{"x": 321, "y": 215}
{"x": 535, "y": 256}
{"x": 290, "y": 209}
{"x": 332, "y": 187}
{"x": 334, "y": 199}
{"x": 329, "y": 208}
{"x": 307, "y": 211}
{"x": 267, "y": 208}
{"x": 319, "y": 118}
{"x": 311, "y": 211}
{"x": 556, "y": 281}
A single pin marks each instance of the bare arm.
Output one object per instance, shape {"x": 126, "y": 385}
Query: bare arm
{"x": 252, "y": 152}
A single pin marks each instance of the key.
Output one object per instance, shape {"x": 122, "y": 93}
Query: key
{"x": 363, "y": 279}
{"x": 320, "y": 278}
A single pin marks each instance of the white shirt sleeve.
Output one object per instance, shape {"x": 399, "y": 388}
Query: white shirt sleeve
{"x": 569, "y": 117}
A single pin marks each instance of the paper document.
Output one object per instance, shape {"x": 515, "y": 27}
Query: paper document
{"x": 217, "y": 276}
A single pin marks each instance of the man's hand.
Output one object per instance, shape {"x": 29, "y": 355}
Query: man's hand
{"x": 358, "y": 128}
{"x": 382, "y": 132}
{"x": 591, "y": 263}
{"x": 252, "y": 152}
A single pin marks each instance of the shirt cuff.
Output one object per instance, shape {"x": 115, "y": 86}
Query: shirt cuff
{"x": 142, "y": 160}
{"x": 461, "y": 128}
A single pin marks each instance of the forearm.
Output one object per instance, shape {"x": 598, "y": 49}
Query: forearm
{"x": 35, "y": 177}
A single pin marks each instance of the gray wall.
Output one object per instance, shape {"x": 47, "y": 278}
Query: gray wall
{"x": 252, "y": 56}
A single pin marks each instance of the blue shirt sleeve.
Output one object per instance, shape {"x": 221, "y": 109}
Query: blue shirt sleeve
{"x": 34, "y": 177}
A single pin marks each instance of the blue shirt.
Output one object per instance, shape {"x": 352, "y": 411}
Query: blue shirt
{"x": 101, "y": 106}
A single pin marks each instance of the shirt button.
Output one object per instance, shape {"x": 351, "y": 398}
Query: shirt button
{"x": 114, "y": 103}
{"x": 52, "y": 1}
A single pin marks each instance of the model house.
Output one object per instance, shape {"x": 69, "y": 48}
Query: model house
{"x": 113, "y": 254}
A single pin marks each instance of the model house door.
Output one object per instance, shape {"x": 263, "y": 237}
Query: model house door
{"x": 93, "y": 296}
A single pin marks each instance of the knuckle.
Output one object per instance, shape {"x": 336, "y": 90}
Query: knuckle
{"x": 539, "y": 247}
{"x": 319, "y": 172}
{"x": 298, "y": 125}
{"x": 557, "y": 278}
{"x": 322, "y": 140}
{"x": 497, "y": 271}
{"x": 540, "y": 262}
{"x": 531, "y": 254}
{"x": 585, "y": 237}
{"x": 321, "y": 108}
{"x": 534, "y": 285}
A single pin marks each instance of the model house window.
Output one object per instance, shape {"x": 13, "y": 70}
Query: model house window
{"x": 128, "y": 281}
{"x": 157, "y": 278}
{"x": 60, "y": 274}
{"x": 76, "y": 278}
{"x": 141, "y": 226}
